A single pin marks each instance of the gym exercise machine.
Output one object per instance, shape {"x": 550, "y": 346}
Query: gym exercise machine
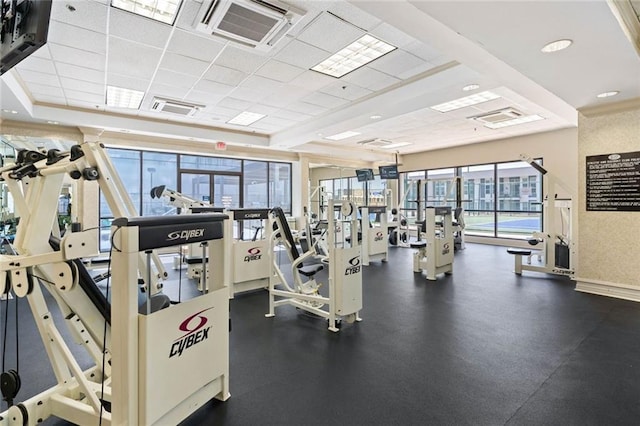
{"x": 374, "y": 234}
{"x": 344, "y": 299}
{"x": 250, "y": 258}
{"x": 434, "y": 254}
{"x": 125, "y": 370}
{"x": 558, "y": 246}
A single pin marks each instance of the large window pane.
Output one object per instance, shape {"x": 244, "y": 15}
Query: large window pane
{"x": 441, "y": 187}
{"x": 355, "y": 193}
{"x": 280, "y": 186}
{"x": 194, "y": 162}
{"x": 256, "y": 184}
{"x": 377, "y": 192}
{"x": 158, "y": 169}
{"x": 518, "y": 200}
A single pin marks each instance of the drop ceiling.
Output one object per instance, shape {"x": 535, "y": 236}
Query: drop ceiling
{"x": 440, "y": 48}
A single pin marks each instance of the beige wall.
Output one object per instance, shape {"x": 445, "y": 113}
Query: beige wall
{"x": 558, "y": 149}
{"x": 608, "y": 247}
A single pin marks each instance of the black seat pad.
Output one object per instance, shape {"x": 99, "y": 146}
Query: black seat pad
{"x": 520, "y": 251}
{"x": 310, "y": 270}
{"x": 419, "y": 244}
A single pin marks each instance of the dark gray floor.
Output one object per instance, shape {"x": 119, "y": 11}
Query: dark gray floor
{"x": 482, "y": 346}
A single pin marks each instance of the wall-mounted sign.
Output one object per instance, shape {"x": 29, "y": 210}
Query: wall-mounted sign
{"x": 613, "y": 182}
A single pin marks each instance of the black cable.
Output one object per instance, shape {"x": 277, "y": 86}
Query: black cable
{"x": 4, "y": 334}
{"x": 104, "y": 335}
{"x": 17, "y": 339}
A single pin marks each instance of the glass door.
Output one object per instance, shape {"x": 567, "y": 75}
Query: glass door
{"x": 220, "y": 190}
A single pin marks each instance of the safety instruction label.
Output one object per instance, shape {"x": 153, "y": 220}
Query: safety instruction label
{"x": 613, "y": 182}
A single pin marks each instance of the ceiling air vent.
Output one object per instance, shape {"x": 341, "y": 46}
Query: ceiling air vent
{"x": 254, "y": 23}
{"x": 174, "y": 107}
{"x": 375, "y": 143}
{"x": 498, "y": 116}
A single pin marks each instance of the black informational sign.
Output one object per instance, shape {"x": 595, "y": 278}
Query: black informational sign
{"x": 613, "y": 182}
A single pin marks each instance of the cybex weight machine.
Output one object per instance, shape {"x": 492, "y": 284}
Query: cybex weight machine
{"x": 434, "y": 254}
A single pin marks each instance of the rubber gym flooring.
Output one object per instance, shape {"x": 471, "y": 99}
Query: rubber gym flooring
{"x": 480, "y": 347}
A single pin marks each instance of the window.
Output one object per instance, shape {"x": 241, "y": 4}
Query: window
{"x": 280, "y": 186}
{"x": 256, "y": 183}
{"x": 158, "y": 169}
{"x": 515, "y": 217}
{"x": 214, "y": 164}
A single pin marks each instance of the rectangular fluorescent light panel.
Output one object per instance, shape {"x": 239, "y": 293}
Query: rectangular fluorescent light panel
{"x": 474, "y": 99}
{"x": 359, "y": 53}
{"x": 519, "y": 120}
{"x": 396, "y": 145}
{"x": 124, "y": 98}
{"x": 160, "y": 10}
{"x": 246, "y": 118}
{"x": 343, "y": 135}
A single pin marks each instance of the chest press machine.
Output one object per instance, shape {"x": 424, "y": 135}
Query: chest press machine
{"x": 374, "y": 234}
{"x": 344, "y": 299}
{"x": 122, "y": 342}
{"x": 434, "y": 254}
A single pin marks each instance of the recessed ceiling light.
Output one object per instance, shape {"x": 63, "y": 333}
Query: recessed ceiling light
{"x": 556, "y": 46}
{"x": 52, "y": 122}
{"x": 246, "y": 118}
{"x": 608, "y": 94}
{"x": 474, "y": 99}
{"x": 124, "y": 98}
{"x": 513, "y": 122}
{"x": 10, "y": 111}
{"x": 375, "y": 117}
{"x": 359, "y": 53}
{"x": 470, "y": 87}
{"x": 160, "y": 10}
{"x": 343, "y": 135}
{"x": 396, "y": 145}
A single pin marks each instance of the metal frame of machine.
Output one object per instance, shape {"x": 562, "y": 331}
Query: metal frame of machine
{"x": 344, "y": 300}
{"x": 434, "y": 255}
{"x": 374, "y": 238}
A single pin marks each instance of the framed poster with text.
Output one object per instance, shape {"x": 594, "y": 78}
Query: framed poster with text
{"x": 613, "y": 182}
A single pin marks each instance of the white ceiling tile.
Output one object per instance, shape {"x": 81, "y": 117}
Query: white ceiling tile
{"x": 354, "y": 15}
{"x": 87, "y": 14}
{"x": 45, "y": 90}
{"x": 82, "y": 58}
{"x": 268, "y": 128}
{"x": 76, "y": 37}
{"x": 34, "y": 63}
{"x": 276, "y": 70}
{"x": 183, "y": 64}
{"x": 250, "y": 95}
{"x": 241, "y": 60}
{"x": 194, "y": 46}
{"x": 330, "y": 33}
{"x": 262, "y": 109}
{"x": 283, "y": 99}
{"x": 88, "y": 105}
{"x": 370, "y": 79}
{"x": 225, "y": 75}
{"x": 281, "y": 122}
{"x": 391, "y": 35}
{"x": 84, "y": 97}
{"x": 226, "y": 112}
{"x": 29, "y": 76}
{"x": 264, "y": 85}
{"x": 82, "y": 86}
{"x": 290, "y": 115}
{"x": 397, "y": 62}
{"x": 127, "y": 82}
{"x": 235, "y": 104}
{"x": 166, "y": 91}
{"x": 187, "y": 15}
{"x": 177, "y": 79}
{"x": 324, "y": 100}
{"x": 302, "y": 55}
{"x": 305, "y": 108}
{"x": 43, "y": 52}
{"x": 42, "y": 98}
{"x": 213, "y": 87}
{"x": 205, "y": 98}
{"x": 348, "y": 91}
{"x": 80, "y": 73}
{"x": 311, "y": 80}
{"x": 422, "y": 50}
{"x": 124, "y": 54}
{"x": 130, "y": 26}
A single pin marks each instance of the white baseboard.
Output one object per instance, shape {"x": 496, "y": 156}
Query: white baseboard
{"x": 604, "y": 288}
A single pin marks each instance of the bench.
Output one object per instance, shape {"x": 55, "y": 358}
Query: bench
{"x": 518, "y": 253}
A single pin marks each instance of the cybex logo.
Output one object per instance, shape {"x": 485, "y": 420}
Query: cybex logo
{"x": 445, "y": 248}
{"x": 194, "y": 326}
{"x": 379, "y": 236}
{"x": 355, "y": 266}
{"x": 253, "y": 254}
{"x": 186, "y": 234}
{"x": 252, "y": 216}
